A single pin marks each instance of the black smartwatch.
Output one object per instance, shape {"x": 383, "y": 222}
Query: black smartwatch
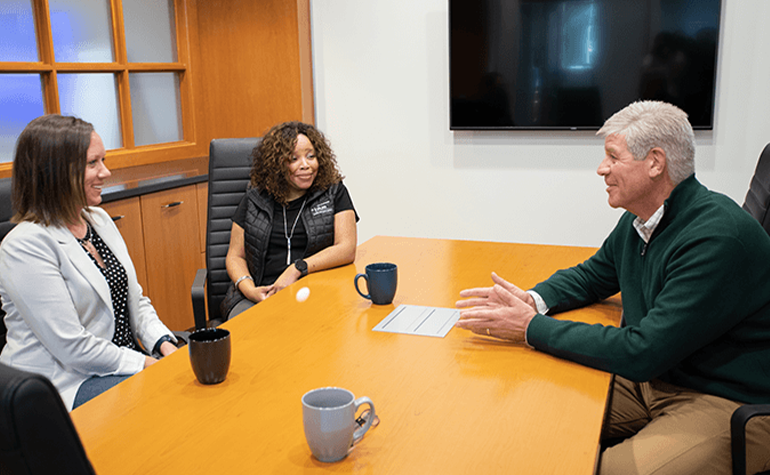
{"x": 156, "y": 349}
{"x": 301, "y": 266}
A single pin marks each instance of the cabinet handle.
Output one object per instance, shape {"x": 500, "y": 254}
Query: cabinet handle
{"x": 171, "y": 205}
{"x": 118, "y": 218}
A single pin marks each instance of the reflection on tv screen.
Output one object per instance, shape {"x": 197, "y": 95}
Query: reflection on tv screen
{"x": 570, "y": 64}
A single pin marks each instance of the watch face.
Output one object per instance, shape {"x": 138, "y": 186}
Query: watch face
{"x": 301, "y": 265}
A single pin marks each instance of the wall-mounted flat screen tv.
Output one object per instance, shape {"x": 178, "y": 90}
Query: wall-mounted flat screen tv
{"x": 570, "y": 64}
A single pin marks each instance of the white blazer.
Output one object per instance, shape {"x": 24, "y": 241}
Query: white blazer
{"x": 58, "y": 307}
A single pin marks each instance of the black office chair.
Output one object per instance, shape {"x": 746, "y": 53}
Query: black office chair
{"x": 757, "y": 204}
{"x": 229, "y": 167}
{"x": 6, "y": 213}
{"x": 36, "y": 433}
{"x": 758, "y": 196}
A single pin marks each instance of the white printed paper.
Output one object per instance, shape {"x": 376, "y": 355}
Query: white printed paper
{"x": 417, "y": 320}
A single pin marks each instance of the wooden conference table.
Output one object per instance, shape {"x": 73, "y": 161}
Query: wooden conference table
{"x": 459, "y": 404}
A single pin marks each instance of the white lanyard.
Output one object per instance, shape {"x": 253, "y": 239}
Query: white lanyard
{"x": 286, "y": 233}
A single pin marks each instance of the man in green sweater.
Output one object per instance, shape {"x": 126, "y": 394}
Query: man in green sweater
{"x": 693, "y": 270}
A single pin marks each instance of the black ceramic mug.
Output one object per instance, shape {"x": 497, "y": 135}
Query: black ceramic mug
{"x": 210, "y": 354}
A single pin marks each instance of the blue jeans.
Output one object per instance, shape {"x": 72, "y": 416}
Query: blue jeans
{"x": 94, "y": 386}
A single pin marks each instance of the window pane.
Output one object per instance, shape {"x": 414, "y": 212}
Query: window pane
{"x": 17, "y": 31}
{"x": 156, "y": 108}
{"x": 82, "y": 31}
{"x": 21, "y": 100}
{"x": 93, "y": 98}
{"x": 150, "y": 31}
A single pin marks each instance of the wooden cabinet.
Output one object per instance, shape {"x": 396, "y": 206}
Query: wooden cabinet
{"x": 165, "y": 233}
{"x": 173, "y": 254}
{"x": 127, "y": 215}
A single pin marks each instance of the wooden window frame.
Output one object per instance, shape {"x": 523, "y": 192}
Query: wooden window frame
{"x": 128, "y": 155}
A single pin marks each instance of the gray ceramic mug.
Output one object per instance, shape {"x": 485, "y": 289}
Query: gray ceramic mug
{"x": 329, "y": 416}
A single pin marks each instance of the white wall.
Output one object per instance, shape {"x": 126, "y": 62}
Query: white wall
{"x": 382, "y": 93}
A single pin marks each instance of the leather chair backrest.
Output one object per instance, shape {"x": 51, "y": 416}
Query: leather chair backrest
{"x": 6, "y": 213}
{"x": 229, "y": 168}
{"x": 758, "y": 197}
{"x": 36, "y": 433}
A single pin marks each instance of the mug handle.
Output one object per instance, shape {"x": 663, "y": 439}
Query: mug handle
{"x": 359, "y": 434}
{"x": 355, "y": 281}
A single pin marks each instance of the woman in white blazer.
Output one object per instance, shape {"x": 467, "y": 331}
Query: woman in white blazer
{"x": 74, "y": 308}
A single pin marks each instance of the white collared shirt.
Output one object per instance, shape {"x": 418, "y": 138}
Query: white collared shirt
{"x": 646, "y": 228}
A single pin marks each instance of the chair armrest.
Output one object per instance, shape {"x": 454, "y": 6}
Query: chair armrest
{"x": 199, "y": 298}
{"x": 182, "y": 338}
{"x": 738, "y": 422}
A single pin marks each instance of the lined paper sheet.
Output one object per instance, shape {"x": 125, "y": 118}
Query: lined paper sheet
{"x": 417, "y": 320}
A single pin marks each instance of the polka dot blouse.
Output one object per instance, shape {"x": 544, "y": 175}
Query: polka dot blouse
{"x": 115, "y": 274}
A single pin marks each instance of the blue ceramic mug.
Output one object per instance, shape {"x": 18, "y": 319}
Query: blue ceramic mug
{"x": 381, "y": 280}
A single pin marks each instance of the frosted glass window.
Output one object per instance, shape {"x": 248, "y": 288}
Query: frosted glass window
{"x": 21, "y": 100}
{"x": 82, "y": 31}
{"x": 156, "y": 108}
{"x": 93, "y": 98}
{"x": 17, "y": 31}
{"x": 150, "y": 31}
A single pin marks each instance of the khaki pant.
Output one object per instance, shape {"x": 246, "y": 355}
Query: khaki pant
{"x": 677, "y": 431}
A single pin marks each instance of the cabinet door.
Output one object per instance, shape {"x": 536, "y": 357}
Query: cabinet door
{"x": 127, "y": 215}
{"x": 172, "y": 247}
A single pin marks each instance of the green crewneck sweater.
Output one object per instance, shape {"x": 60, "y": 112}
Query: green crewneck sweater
{"x": 696, "y": 300}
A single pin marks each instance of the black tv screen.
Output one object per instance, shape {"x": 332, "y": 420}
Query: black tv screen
{"x": 570, "y": 64}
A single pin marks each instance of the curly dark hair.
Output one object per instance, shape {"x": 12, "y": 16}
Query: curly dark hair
{"x": 270, "y": 160}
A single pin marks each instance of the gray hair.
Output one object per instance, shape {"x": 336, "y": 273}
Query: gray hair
{"x": 650, "y": 124}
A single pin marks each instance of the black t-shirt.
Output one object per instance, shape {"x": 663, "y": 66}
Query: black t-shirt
{"x": 275, "y": 259}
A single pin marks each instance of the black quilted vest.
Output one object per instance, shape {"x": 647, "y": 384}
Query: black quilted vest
{"x": 317, "y": 217}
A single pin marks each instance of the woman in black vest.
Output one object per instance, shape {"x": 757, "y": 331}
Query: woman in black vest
{"x": 296, "y": 218}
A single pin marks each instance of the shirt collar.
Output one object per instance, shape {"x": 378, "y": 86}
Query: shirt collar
{"x": 646, "y": 228}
